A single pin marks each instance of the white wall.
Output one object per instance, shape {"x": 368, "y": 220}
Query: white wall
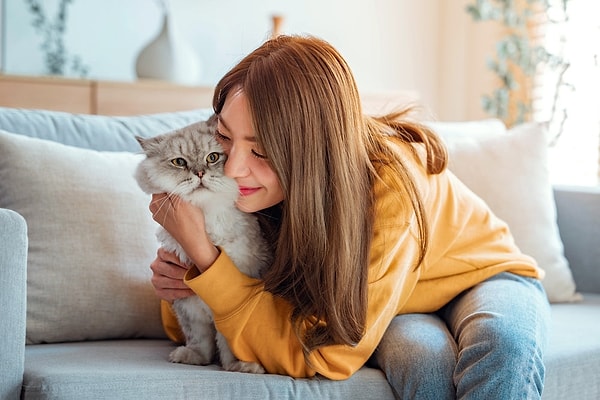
{"x": 391, "y": 45}
{"x": 462, "y": 75}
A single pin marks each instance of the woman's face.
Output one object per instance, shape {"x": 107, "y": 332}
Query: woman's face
{"x": 258, "y": 184}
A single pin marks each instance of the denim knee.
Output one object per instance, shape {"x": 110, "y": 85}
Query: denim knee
{"x": 500, "y": 327}
{"x": 418, "y": 356}
{"x": 492, "y": 343}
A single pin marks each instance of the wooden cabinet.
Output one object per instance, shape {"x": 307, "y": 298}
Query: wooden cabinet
{"x": 139, "y": 97}
{"x": 112, "y": 98}
{"x": 46, "y": 93}
{"x": 101, "y": 97}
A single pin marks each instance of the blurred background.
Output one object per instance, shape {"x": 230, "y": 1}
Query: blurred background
{"x": 433, "y": 49}
{"x": 390, "y": 44}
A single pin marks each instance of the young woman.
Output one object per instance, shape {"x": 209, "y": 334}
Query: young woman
{"x": 381, "y": 253}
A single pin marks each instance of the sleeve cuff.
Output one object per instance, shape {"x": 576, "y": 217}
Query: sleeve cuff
{"x": 222, "y": 286}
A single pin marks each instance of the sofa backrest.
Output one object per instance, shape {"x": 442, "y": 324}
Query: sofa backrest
{"x": 71, "y": 177}
{"x": 96, "y": 132}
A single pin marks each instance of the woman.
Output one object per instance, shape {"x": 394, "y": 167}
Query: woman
{"x": 380, "y": 252}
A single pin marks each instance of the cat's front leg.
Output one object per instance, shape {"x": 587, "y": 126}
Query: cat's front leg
{"x": 196, "y": 324}
{"x": 230, "y": 362}
{"x": 198, "y": 351}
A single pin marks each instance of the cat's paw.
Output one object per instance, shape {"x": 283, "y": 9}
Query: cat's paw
{"x": 186, "y": 355}
{"x": 247, "y": 367}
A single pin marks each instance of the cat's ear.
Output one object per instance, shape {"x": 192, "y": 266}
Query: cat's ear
{"x": 212, "y": 121}
{"x": 140, "y": 140}
{"x": 148, "y": 144}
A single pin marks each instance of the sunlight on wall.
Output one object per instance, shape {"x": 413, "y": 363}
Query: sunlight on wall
{"x": 575, "y": 153}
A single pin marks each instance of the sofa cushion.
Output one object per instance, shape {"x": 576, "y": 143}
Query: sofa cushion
{"x": 138, "y": 369}
{"x": 91, "y": 240}
{"x": 573, "y": 355}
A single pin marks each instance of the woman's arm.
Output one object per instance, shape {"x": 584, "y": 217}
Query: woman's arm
{"x": 257, "y": 324}
{"x": 185, "y": 223}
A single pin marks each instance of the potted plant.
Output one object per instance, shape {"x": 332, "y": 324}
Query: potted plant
{"x": 57, "y": 59}
{"x": 519, "y": 55}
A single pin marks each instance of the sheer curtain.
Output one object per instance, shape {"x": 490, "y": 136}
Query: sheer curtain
{"x": 569, "y": 98}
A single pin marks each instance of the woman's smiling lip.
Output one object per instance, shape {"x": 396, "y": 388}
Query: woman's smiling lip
{"x": 247, "y": 191}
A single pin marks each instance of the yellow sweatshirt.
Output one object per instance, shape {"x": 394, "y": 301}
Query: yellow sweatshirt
{"x": 468, "y": 244}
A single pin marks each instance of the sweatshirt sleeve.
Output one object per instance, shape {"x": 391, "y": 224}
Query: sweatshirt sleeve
{"x": 170, "y": 323}
{"x": 257, "y": 324}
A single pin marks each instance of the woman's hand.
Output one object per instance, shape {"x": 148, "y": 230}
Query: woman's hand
{"x": 167, "y": 276}
{"x": 186, "y": 224}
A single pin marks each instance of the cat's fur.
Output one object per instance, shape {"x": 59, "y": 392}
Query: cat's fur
{"x": 203, "y": 184}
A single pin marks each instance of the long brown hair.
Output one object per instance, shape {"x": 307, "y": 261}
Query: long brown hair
{"x": 308, "y": 121}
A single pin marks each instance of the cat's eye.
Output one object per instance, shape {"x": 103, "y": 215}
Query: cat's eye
{"x": 213, "y": 157}
{"x": 179, "y": 162}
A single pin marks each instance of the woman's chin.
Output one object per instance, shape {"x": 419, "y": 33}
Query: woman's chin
{"x": 244, "y": 206}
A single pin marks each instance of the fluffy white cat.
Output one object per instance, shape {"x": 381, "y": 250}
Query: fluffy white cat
{"x": 189, "y": 163}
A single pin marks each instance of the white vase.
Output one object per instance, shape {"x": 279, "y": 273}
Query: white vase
{"x": 168, "y": 57}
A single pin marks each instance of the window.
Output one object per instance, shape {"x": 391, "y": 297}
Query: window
{"x": 574, "y": 113}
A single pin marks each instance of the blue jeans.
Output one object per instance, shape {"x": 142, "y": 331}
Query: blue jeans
{"x": 487, "y": 343}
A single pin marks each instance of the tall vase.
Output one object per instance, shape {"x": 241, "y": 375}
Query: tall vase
{"x": 168, "y": 57}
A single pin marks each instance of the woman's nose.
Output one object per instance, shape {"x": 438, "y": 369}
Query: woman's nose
{"x": 236, "y": 165}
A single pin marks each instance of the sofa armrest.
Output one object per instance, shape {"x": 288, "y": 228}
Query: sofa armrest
{"x": 13, "y": 299}
{"x": 578, "y": 212}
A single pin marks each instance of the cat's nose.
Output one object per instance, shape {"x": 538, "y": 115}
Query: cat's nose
{"x": 201, "y": 173}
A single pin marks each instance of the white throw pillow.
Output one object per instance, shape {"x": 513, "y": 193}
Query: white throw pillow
{"x": 476, "y": 129}
{"x": 91, "y": 240}
{"x": 509, "y": 170}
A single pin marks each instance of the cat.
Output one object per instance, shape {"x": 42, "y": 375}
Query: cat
{"x": 188, "y": 162}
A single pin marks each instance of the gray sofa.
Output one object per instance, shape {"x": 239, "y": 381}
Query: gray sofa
{"x": 118, "y": 350}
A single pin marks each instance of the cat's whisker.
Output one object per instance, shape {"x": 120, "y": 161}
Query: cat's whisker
{"x": 161, "y": 204}
{"x": 175, "y": 200}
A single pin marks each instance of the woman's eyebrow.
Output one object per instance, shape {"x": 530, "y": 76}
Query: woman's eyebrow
{"x": 249, "y": 138}
{"x": 220, "y": 120}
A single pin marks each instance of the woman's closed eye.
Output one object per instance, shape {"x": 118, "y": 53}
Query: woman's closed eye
{"x": 258, "y": 155}
{"x": 226, "y": 142}
{"x": 220, "y": 137}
